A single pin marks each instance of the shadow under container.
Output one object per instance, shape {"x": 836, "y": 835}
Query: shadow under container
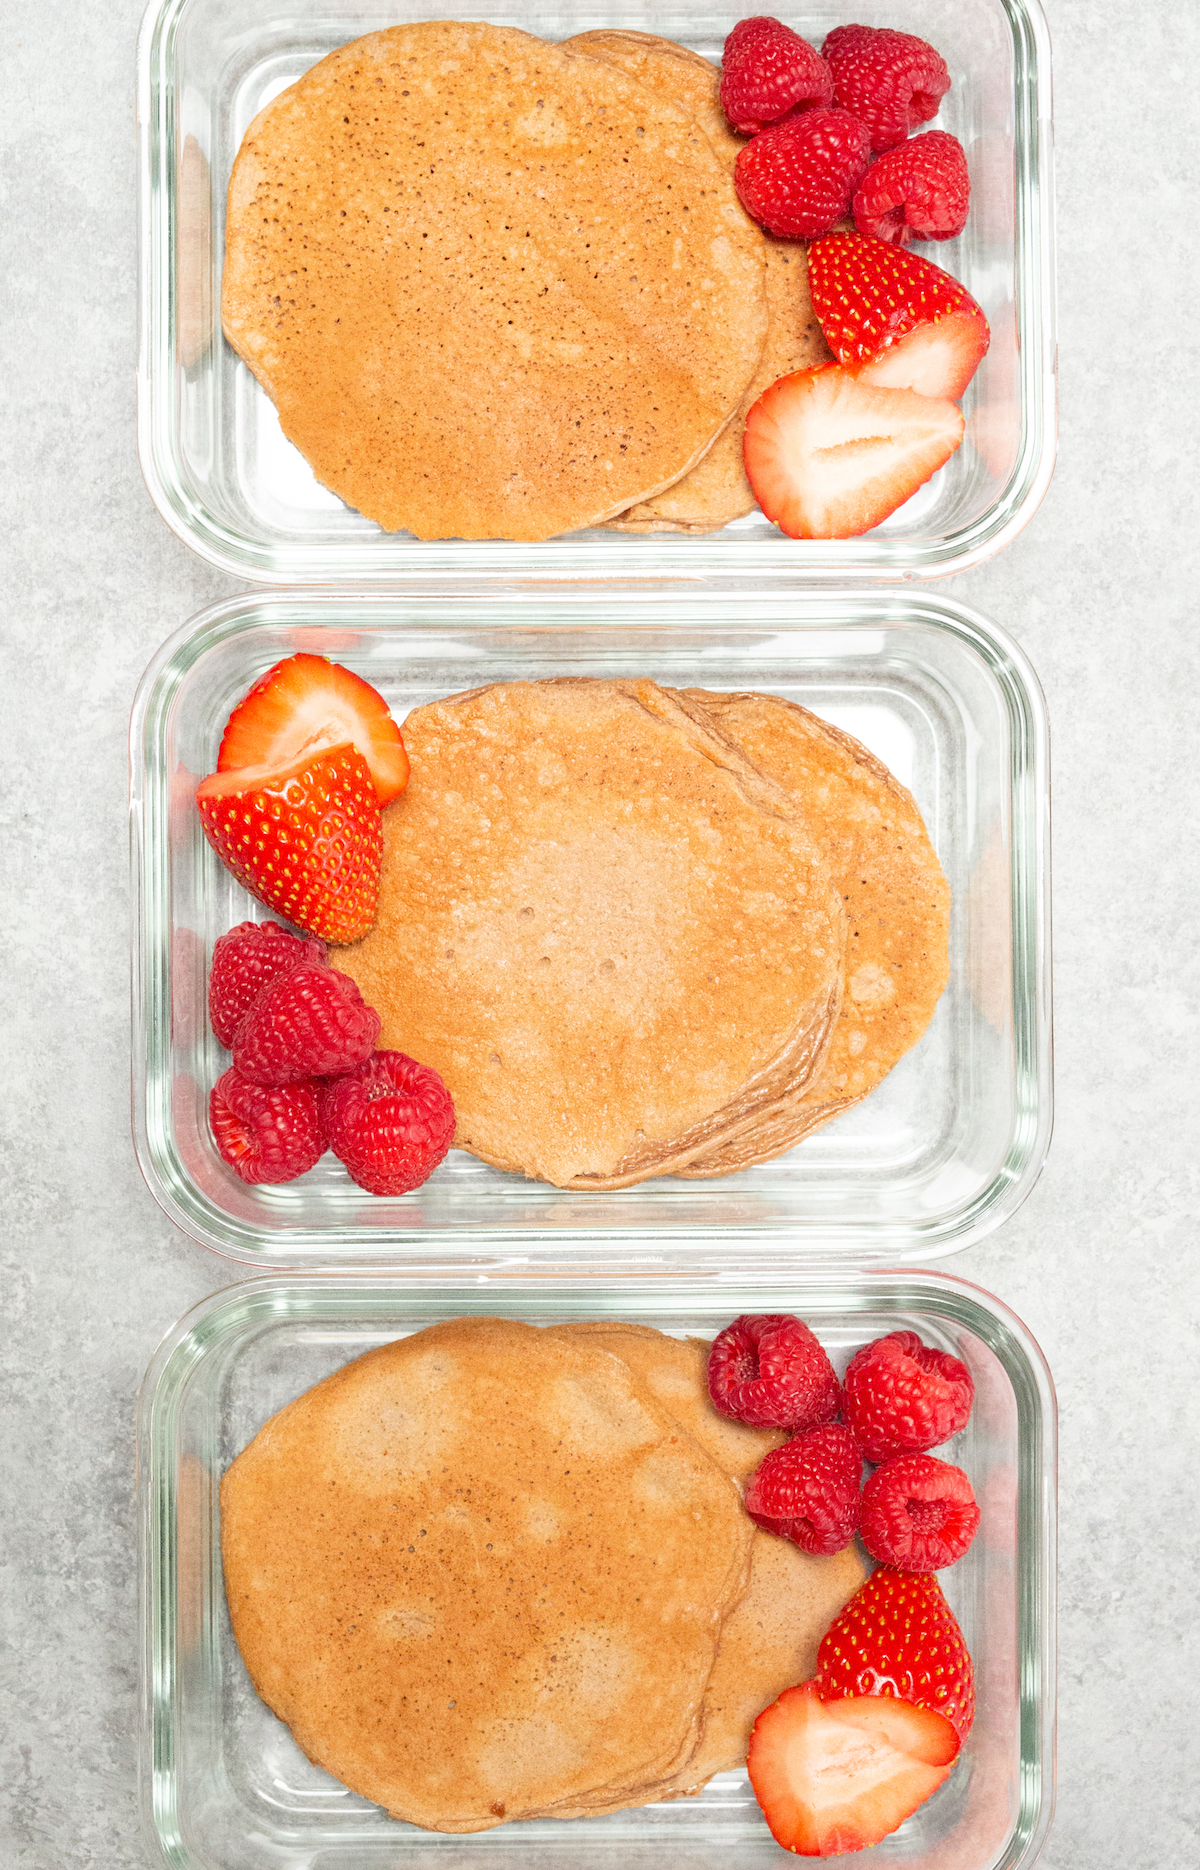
{"x": 226, "y": 1788}
{"x": 943, "y": 1151}
{"x": 224, "y": 477}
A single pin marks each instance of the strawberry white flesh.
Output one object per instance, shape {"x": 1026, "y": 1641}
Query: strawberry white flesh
{"x": 834, "y": 1776}
{"x": 937, "y": 359}
{"x": 304, "y": 705}
{"x": 829, "y": 456}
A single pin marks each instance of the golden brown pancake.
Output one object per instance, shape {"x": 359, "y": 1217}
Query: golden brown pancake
{"x": 479, "y": 1572}
{"x": 612, "y": 936}
{"x": 495, "y": 289}
{"x": 897, "y": 903}
{"x": 716, "y": 490}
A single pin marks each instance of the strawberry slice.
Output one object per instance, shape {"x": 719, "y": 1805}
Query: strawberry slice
{"x": 837, "y": 1776}
{"x": 829, "y": 456}
{"x": 306, "y": 839}
{"x": 307, "y": 703}
{"x": 898, "y": 320}
{"x": 899, "y": 1636}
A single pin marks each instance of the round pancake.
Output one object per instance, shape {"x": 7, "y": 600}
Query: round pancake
{"x": 614, "y": 939}
{"x": 478, "y": 1571}
{"x": 770, "y": 1639}
{"x": 495, "y": 290}
{"x": 897, "y": 903}
{"x": 716, "y": 490}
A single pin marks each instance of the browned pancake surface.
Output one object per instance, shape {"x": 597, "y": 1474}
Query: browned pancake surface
{"x": 494, "y": 288}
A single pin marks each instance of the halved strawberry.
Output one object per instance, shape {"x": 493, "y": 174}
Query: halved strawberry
{"x": 899, "y": 320}
{"x": 898, "y": 1636}
{"x": 307, "y": 703}
{"x": 837, "y": 1776}
{"x": 829, "y": 456}
{"x": 306, "y": 839}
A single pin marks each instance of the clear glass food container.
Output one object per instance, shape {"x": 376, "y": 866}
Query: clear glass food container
{"x": 224, "y": 478}
{"x": 941, "y": 1153}
{"x": 226, "y": 1788}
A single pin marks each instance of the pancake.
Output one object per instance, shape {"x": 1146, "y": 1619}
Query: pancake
{"x": 479, "y": 1572}
{"x": 716, "y": 490}
{"x": 495, "y": 289}
{"x": 770, "y": 1639}
{"x": 612, "y": 936}
{"x": 897, "y": 902}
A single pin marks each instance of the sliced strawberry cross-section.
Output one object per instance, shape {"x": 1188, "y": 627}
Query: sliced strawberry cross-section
{"x": 898, "y": 1636}
{"x": 829, "y": 456}
{"x": 306, "y": 704}
{"x": 896, "y": 319}
{"x": 839, "y": 1776}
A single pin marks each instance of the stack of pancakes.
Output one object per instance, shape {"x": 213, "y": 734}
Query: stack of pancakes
{"x": 490, "y": 1572}
{"x": 643, "y": 932}
{"x": 499, "y": 288}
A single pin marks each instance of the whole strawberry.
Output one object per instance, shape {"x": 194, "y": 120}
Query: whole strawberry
{"x": 893, "y": 81}
{"x": 247, "y": 959}
{"x": 769, "y": 71}
{"x": 308, "y": 1023}
{"x": 899, "y": 1637}
{"x": 267, "y": 1133}
{"x": 902, "y": 1396}
{"x": 808, "y": 1490}
{"x": 918, "y": 1513}
{"x": 798, "y": 177}
{"x": 768, "y": 1369}
{"x": 390, "y": 1122}
{"x": 919, "y": 191}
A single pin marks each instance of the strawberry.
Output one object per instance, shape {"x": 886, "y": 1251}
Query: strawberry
{"x": 244, "y": 961}
{"x": 918, "y": 1513}
{"x": 309, "y": 1023}
{"x": 903, "y": 1397}
{"x": 770, "y": 1370}
{"x": 891, "y": 80}
{"x": 898, "y": 1636}
{"x": 807, "y": 1491}
{"x": 306, "y": 839}
{"x": 829, "y": 457}
{"x": 769, "y": 71}
{"x": 307, "y": 703}
{"x": 896, "y": 319}
{"x": 919, "y": 190}
{"x": 267, "y": 1133}
{"x": 390, "y": 1122}
{"x": 834, "y": 1776}
{"x": 798, "y": 177}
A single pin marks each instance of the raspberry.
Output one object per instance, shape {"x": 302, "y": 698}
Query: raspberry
{"x": 306, "y": 1024}
{"x": 902, "y": 1397}
{"x": 919, "y": 191}
{"x": 807, "y": 1491}
{"x": 244, "y": 961}
{"x": 390, "y": 1122}
{"x": 267, "y": 1133}
{"x": 799, "y": 176}
{"x": 769, "y": 1370}
{"x": 891, "y": 80}
{"x": 918, "y": 1513}
{"x": 768, "y": 72}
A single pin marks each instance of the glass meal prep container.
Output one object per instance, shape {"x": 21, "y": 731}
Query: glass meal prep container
{"x": 226, "y": 1788}
{"x": 942, "y": 1152}
{"x": 225, "y": 479}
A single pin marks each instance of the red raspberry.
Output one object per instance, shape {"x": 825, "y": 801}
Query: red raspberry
{"x": 799, "y": 176}
{"x": 244, "y": 961}
{"x": 306, "y": 1024}
{"x": 769, "y": 1370}
{"x": 390, "y": 1122}
{"x": 267, "y": 1133}
{"x": 903, "y": 1397}
{"x": 807, "y": 1491}
{"x": 891, "y": 80}
{"x": 918, "y": 1513}
{"x": 920, "y": 191}
{"x": 768, "y": 72}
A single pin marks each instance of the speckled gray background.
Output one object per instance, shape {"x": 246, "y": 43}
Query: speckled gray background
{"x": 1104, "y": 1259}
